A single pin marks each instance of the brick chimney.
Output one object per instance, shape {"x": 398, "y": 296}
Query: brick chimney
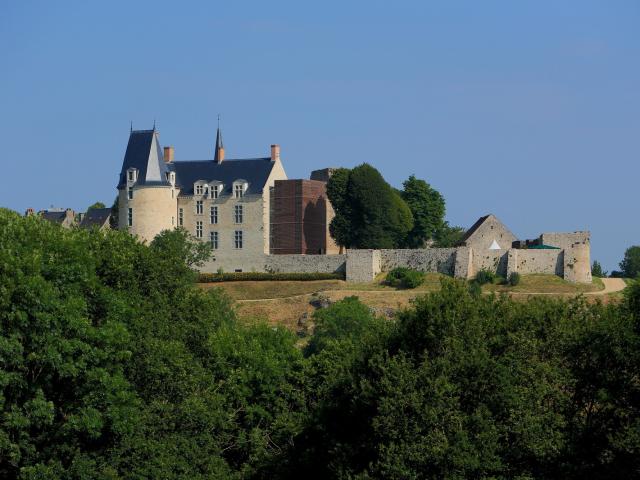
{"x": 275, "y": 153}
{"x": 168, "y": 154}
{"x": 29, "y": 212}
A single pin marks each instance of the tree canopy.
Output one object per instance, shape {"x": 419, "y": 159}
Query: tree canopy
{"x": 369, "y": 213}
{"x": 114, "y": 365}
{"x": 428, "y": 209}
{"x": 630, "y": 264}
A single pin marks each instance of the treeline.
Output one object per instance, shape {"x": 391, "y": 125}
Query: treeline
{"x": 370, "y": 213}
{"x": 113, "y": 365}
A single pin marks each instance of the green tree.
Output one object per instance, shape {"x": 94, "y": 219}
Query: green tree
{"x": 96, "y": 205}
{"x": 448, "y": 236}
{"x": 630, "y": 265}
{"x": 597, "y": 270}
{"x": 337, "y": 188}
{"x": 428, "y": 209}
{"x": 369, "y": 213}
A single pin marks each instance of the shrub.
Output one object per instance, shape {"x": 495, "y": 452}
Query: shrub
{"x": 485, "y": 276}
{"x": 403, "y": 277}
{"x": 514, "y": 279}
{"x": 264, "y": 276}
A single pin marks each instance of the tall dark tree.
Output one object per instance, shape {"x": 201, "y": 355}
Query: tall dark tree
{"x": 427, "y": 207}
{"x": 630, "y": 265}
{"x": 369, "y": 213}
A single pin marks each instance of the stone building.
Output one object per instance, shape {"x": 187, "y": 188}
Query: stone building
{"x": 223, "y": 201}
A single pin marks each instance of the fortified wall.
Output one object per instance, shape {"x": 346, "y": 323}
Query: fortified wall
{"x": 563, "y": 254}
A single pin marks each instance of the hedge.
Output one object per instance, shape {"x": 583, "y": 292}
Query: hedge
{"x": 263, "y": 276}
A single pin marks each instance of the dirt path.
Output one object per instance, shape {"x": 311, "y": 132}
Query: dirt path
{"x": 611, "y": 285}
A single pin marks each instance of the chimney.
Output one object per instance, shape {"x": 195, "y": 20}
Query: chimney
{"x": 168, "y": 154}
{"x": 29, "y": 212}
{"x": 275, "y": 153}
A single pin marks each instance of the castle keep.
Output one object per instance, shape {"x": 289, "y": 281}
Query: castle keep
{"x": 258, "y": 220}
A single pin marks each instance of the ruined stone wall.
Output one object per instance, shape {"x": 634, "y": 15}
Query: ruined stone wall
{"x": 305, "y": 263}
{"x": 538, "y": 261}
{"x": 441, "y": 260}
{"x": 363, "y": 265}
{"x": 492, "y": 260}
{"x": 565, "y": 240}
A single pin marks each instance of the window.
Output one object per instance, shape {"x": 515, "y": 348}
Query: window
{"x": 130, "y": 217}
{"x": 199, "y": 229}
{"x": 238, "y": 214}
{"x": 199, "y": 189}
{"x": 238, "y": 190}
{"x": 130, "y": 194}
{"x": 213, "y": 215}
{"x": 199, "y": 207}
{"x": 132, "y": 174}
{"x": 238, "y": 239}
{"x": 180, "y": 217}
{"x": 213, "y": 238}
{"x": 213, "y": 192}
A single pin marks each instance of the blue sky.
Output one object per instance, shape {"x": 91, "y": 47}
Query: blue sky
{"x": 529, "y": 110}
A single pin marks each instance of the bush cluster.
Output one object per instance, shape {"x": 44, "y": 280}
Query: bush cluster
{"x": 403, "y": 277}
{"x": 514, "y": 279}
{"x": 485, "y": 276}
{"x": 260, "y": 276}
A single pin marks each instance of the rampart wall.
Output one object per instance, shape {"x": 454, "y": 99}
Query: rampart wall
{"x": 360, "y": 266}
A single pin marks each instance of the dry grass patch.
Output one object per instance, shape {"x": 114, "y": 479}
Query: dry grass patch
{"x": 538, "y": 283}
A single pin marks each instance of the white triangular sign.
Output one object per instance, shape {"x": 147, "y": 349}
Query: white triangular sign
{"x": 494, "y": 246}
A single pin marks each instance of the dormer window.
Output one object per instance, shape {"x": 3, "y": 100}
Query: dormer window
{"x": 171, "y": 178}
{"x": 199, "y": 189}
{"x": 215, "y": 189}
{"x": 132, "y": 175}
{"x": 239, "y": 188}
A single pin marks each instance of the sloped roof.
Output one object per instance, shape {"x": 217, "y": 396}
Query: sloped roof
{"x": 144, "y": 153}
{"x": 55, "y": 217}
{"x": 473, "y": 228}
{"x": 255, "y": 171}
{"x": 96, "y": 217}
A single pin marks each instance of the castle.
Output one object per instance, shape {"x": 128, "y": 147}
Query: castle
{"x": 258, "y": 220}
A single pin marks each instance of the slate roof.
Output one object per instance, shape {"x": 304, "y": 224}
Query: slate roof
{"x": 55, "y": 217}
{"x": 144, "y": 153}
{"x": 255, "y": 171}
{"x": 96, "y": 217}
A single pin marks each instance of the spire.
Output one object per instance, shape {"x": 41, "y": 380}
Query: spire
{"x": 219, "y": 155}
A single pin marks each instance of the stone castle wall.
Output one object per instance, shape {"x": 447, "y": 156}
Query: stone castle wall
{"x": 441, "y": 260}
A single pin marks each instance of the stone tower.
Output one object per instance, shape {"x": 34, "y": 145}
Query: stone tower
{"x": 147, "y": 197}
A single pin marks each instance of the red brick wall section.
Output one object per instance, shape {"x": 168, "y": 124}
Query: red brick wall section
{"x": 299, "y": 217}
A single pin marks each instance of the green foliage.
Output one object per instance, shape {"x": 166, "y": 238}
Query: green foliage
{"x": 428, "y": 209}
{"x": 114, "y": 365}
{"x": 597, "y": 271}
{"x": 96, "y": 206}
{"x": 369, "y": 213}
{"x": 630, "y": 265}
{"x": 514, "y": 279}
{"x": 485, "y": 276}
{"x": 402, "y": 277}
{"x": 179, "y": 247}
{"x": 448, "y": 236}
{"x": 347, "y": 319}
{"x": 264, "y": 276}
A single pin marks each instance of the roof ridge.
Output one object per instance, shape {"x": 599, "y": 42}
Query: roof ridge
{"x": 224, "y": 161}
